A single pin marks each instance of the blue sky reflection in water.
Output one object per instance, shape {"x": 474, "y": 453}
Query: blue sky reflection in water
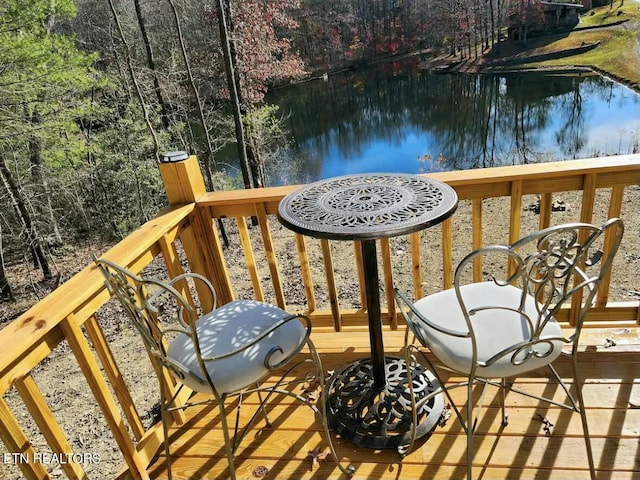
{"x": 396, "y": 118}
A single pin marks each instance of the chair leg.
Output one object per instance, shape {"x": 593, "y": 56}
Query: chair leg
{"x": 470, "y": 429}
{"x": 577, "y": 405}
{"x": 587, "y": 437}
{"x": 322, "y": 411}
{"x": 165, "y": 429}
{"x": 404, "y": 449}
{"x": 503, "y": 389}
{"x": 227, "y": 440}
{"x": 583, "y": 417}
{"x": 433, "y": 369}
{"x": 262, "y": 406}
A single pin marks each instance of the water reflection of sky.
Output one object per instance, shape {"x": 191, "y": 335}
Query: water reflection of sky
{"x": 610, "y": 125}
{"x": 380, "y": 156}
{"x": 589, "y": 117}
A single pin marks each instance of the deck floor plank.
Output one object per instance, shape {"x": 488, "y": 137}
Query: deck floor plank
{"x": 521, "y": 450}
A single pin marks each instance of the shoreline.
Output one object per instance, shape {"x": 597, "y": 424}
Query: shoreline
{"x": 512, "y": 57}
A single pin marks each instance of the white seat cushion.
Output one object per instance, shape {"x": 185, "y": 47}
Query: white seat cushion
{"x": 495, "y": 329}
{"x": 230, "y": 327}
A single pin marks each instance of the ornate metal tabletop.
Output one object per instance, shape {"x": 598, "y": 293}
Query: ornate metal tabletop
{"x": 367, "y": 400}
{"x": 367, "y": 206}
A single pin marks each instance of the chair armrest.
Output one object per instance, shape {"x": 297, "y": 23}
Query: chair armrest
{"x": 266, "y": 333}
{"x": 521, "y": 352}
{"x": 401, "y": 298}
{"x": 520, "y": 312}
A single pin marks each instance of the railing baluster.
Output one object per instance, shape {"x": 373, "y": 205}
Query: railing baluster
{"x": 357, "y": 251}
{"x": 416, "y": 265}
{"x": 203, "y": 250}
{"x": 18, "y": 445}
{"x": 194, "y": 248}
{"x": 174, "y": 266}
{"x": 515, "y": 217}
{"x": 385, "y": 250}
{"x": 447, "y": 253}
{"x": 615, "y": 208}
{"x": 101, "y": 346}
{"x": 212, "y": 248}
{"x": 305, "y": 269}
{"x": 515, "y": 211}
{"x": 546, "y": 206}
{"x": 46, "y": 422}
{"x": 250, "y": 260}
{"x": 331, "y": 284}
{"x": 586, "y": 216}
{"x": 476, "y": 220}
{"x": 267, "y": 241}
{"x": 588, "y": 198}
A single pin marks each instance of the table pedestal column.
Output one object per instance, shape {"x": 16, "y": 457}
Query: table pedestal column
{"x": 372, "y": 290}
{"x": 368, "y": 402}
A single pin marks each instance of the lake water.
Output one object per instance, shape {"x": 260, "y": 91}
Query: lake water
{"x": 398, "y": 118}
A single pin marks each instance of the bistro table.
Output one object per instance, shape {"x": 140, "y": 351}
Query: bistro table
{"x": 367, "y": 401}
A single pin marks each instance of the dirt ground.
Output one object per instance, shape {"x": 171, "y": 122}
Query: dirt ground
{"x": 66, "y": 391}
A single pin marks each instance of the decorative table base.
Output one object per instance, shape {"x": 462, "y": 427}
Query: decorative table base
{"x": 381, "y": 418}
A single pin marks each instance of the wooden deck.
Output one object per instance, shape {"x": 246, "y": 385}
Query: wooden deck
{"x": 277, "y": 265}
{"x": 522, "y": 450}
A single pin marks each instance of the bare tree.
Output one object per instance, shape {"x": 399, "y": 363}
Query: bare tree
{"x": 136, "y": 84}
{"x": 208, "y": 159}
{"x": 27, "y": 221}
{"x": 151, "y": 63}
{"x": 233, "y": 81}
{"x": 5, "y": 286}
{"x": 205, "y": 129}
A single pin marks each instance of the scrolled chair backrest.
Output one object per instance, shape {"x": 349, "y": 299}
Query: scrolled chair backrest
{"x": 156, "y": 308}
{"x": 552, "y": 265}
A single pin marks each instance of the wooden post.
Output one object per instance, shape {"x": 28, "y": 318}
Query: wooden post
{"x": 182, "y": 178}
{"x": 183, "y": 183}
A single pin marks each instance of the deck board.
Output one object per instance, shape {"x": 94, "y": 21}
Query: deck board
{"x": 521, "y": 450}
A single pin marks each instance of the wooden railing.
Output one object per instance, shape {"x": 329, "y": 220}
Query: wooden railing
{"x": 593, "y": 184}
{"x": 67, "y": 314}
{"x": 192, "y": 225}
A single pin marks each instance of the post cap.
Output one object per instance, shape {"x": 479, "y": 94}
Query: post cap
{"x": 173, "y": 157}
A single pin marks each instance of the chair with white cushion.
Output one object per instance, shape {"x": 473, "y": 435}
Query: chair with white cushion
{"x": 220, "y": 353}
{"x": 490, "y": 331}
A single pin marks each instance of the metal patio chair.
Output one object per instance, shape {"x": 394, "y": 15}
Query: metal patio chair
{"x": 506, "y": 326}
{"x": 223, "y": 353}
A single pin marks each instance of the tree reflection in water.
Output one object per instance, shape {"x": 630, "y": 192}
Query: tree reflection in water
{"x": 395, "y": 117}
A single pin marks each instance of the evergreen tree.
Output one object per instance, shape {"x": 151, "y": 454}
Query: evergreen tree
{"x": 44, "y": 86}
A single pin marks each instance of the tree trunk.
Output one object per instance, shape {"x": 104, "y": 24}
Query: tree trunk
{"x": 5, "y": 286}
{"x": 493, "y": 24}
{"x": 228, "y": 50}
{"x": 151, "y": 62}
{"x": 42, "y": 185}
{"x": 19, "y": 203}
{"x": 257, "y": 164}
{"x": 208, "y": 157}
{"x": 134, "y": 81}
{"x": 208, "y": 160}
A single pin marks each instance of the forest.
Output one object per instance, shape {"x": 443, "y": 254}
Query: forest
{"x": 92, "y": 93}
